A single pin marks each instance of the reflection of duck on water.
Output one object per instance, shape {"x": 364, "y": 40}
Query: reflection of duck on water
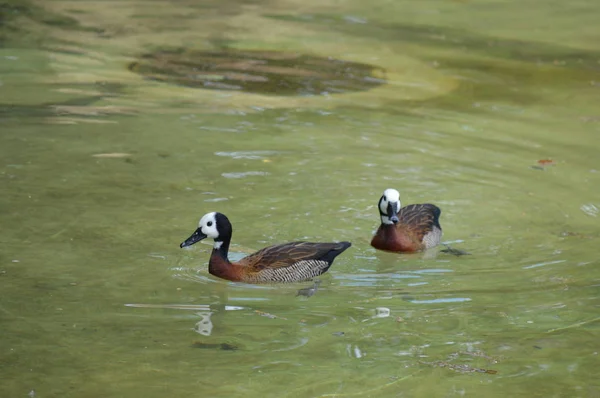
{"x": 309, "y": 291}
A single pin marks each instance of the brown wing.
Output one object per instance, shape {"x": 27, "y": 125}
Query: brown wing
{"x": 287, "y": 254}
{"x": 419, "y": 219}
{"x": 290, "y": 262}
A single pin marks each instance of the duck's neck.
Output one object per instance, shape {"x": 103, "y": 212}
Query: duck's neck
{"x": 221, "y": 248}
{"x": 219, "y": 265}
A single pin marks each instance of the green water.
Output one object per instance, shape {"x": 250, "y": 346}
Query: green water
{"x": 97, "y": 299}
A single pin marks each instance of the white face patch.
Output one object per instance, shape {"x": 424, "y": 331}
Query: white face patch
{"x": 390, "y": 195}
{"x": 208, "y": 225}
{"x": 385, "y": 220}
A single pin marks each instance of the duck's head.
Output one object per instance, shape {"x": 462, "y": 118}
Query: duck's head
{"x": 389, "y": 206}
{"x": 212, "y": 225}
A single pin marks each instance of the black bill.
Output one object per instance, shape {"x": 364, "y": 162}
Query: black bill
{"x": 392, "y": 212}
{"x": 197, "y": 236}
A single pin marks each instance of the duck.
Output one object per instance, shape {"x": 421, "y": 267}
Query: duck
{"x": 411, "y": 228}
{"x": 288, "y": 262}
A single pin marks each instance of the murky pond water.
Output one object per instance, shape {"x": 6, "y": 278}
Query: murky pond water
{"x": 487, "y": 109}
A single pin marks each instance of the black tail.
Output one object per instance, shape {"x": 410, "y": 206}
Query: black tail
{"x": 436, "y": 216}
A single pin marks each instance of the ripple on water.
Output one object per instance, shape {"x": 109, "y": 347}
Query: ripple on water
{"x": 590, "y": 210}
{"x": 286, "y": 346}
{"x": 432, "y": 271}
{"x": 371, "y": 279}
{"x": 216, "y": 199}
{"x": 441, "y": 300}
{"x": 251, "y": 155}
{"x": 245, "y": 174}
{"x": 543, "y": 264}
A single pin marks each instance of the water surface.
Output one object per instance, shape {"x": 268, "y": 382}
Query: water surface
{"x": 487, "y": 109}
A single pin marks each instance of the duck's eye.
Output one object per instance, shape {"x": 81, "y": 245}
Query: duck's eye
{"x": 209, "y": 224}
{"x": 384, "y": 198}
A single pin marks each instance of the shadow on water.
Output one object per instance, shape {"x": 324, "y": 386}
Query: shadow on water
{"x": 270, "y": 72}
{"x": 13, "y": 30}
{"x": 81, "y": 104}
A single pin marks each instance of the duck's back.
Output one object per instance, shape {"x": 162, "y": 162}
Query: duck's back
{"x": 290, "y": 262}
{"x": 421, "y": 221}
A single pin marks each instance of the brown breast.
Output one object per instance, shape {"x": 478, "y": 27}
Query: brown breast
{"x": 396, "y": 238}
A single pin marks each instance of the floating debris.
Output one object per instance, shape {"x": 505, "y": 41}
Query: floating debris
{"x": 266, "y": 314}
{"x": 546, "y": 162}
{"x": 542, "y": 164}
